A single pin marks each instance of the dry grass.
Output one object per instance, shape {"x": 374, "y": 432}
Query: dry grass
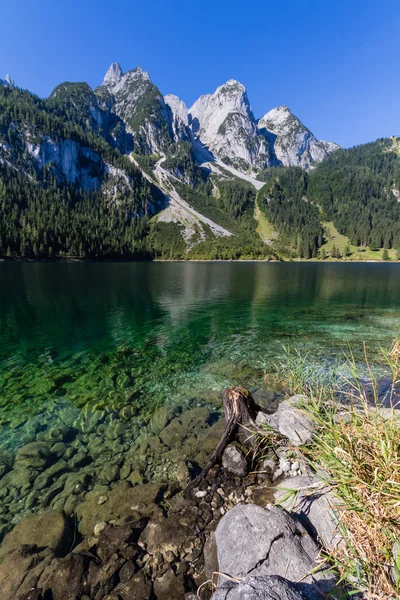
{"x": 359, "y": 449}
{"x": 362, "y": 457}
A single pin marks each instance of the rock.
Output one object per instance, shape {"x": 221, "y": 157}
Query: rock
{"x": 46, "y": 530}
{"x": 271, "y": 543}
{"x": 138, "y": 588}
{"x": 64, "y": 578}
{"x": 210, "y": 556}
{"x": 258, "y": 588}
{"x": 122, "y": 502}
{"x": 20, "y": 571}
{"x": 267, "y": 399}
{"x": 195, "y": 419}
{"x": 291, "y": 421}
{"x": 268, "y": 465}
{"x": 169, "y": 586}
{"x": 170, "y": 534}
{"x": 35, "y": 455}
{"x": 58, "y": 449}
{"x": 161, "y": 418}
{"x": 99, "y": 527}
{"x": 174, "y": 434}
{"x": 44, "y": 479}
{"x": 315, "y": 505}
{"x": 234, "y": 461}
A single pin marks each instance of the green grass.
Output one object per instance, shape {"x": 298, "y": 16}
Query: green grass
{"x": 334, "y": 238}
{"x": 360, "y": 454}
{"x": 264, "y": 228}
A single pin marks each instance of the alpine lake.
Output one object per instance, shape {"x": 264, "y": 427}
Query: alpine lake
{"x": 89, "y": 353}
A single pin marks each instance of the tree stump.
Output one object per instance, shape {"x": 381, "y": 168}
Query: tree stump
{"x": 240, "y": 414}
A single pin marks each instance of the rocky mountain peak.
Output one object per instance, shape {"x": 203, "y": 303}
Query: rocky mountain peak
{"x": 292, "y": 142}
{"x": 178, "y": 108}
{"x": 8, "y": 82}
{"x": 113, "y": 75}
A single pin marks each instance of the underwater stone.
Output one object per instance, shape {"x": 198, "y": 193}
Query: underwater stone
{"x": 47, "y": 530}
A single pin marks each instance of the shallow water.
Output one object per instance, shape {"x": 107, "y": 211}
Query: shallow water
{"x": 124, "y": 338}
{"x": 161, "y": 331}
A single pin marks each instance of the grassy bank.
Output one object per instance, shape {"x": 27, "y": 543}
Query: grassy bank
{"x": 358, "y": 447}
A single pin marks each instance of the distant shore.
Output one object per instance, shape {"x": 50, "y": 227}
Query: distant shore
{"x": 192, "y": 260}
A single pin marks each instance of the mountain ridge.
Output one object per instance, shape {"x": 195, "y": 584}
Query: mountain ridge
{"x": 156, "y": 178}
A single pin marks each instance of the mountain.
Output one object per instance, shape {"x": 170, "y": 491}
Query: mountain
{"x": 356, "y": 190}
{"x": 7, "y": 81}
{"x": 292, "y": 143}
{"x": 141, "y": 106}
{"x": 122, "y": 171}
{"x": 224, "y": 122}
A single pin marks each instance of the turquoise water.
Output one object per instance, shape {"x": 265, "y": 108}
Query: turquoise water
{"x": 95, "y": 334}
{"x": 89, "y": 351}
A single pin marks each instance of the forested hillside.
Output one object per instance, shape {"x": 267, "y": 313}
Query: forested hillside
{"x": 358, "y": 190}
{"x": 102, "y": 174}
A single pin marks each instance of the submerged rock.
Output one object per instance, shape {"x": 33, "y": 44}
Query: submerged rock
{"x": 47, "y": 530}
{"x": 122, "y": 502}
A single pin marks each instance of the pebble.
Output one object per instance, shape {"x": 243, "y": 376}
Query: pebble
{"x": 200, "y": 494}
{"x": 102, "y": 499}
{"x": 99, "y": 527}
{"x": 285, "y": 466}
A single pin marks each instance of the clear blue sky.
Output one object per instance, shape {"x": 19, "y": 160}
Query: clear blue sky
{"x": 335, "y": 63}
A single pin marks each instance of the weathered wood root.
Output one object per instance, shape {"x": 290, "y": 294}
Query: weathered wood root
{"x": 240, "y": 411}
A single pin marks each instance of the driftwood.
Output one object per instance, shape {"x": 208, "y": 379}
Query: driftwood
{"x": 240, "y": 414}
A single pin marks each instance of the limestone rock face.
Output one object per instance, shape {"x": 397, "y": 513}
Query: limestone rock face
{"x": 141, "y": 106}
{"x": 180, "y": 117}
{"x": 7, "y": 82}
{"x": 68, "y": 156}
{"x": 293, "y": 144}
{"x": 113, "y": 75}
{"x": 224, "y": 122}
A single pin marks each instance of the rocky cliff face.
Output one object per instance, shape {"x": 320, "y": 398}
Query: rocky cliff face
{"x": 179, "y": 117}
{"x": 292, "y": 143}
{"x": 224, "y": 122}
{"x": 141, "y": 106}
{"x": 7, "y": 82}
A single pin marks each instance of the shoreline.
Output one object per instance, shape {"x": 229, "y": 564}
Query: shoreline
{"x": 193, "y": 260}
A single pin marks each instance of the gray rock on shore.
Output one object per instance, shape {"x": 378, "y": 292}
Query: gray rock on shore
{"x": 258, "y": 588}
{"x": 269, "y": 541}
{"x": 291, "y": 421}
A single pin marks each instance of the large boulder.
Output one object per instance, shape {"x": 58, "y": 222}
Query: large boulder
{"x": 291, "y": 421}
{"x": 316, "y": 506}
{"x": 269, "y": 541}
{"x": 258, "y": 588}
{"x": 47, "y": 530}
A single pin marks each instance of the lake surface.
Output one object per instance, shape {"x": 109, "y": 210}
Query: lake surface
{"x": 158, "y": 332}
{"x": 88, "y": 352}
